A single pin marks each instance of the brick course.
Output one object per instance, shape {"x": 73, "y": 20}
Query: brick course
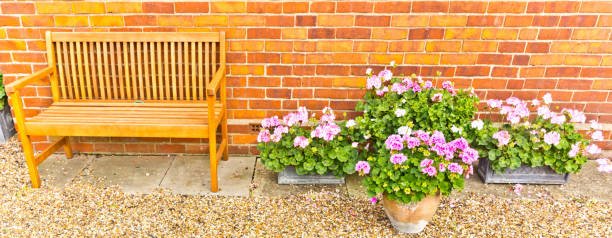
{"x": 282, "y": 55}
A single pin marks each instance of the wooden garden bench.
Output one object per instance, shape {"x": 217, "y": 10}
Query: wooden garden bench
{"x": 167, "y": 84}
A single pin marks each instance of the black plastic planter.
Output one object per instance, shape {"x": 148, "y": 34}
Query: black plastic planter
{"x": 7, "y": 128}
{"x": 289, "y": 176}
{"x": 523, "y": 174}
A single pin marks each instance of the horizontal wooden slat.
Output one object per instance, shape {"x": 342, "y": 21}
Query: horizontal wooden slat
{"x": 135, "y": 36}
{"x": 132, "y": 103}
{"x": 116, "y": 130}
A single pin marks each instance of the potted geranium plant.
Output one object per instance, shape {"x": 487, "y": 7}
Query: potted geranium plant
{"x": 405, "y": 126}
{"x": 543, "y": 150}
{"x": 7, "y": 127}
{"x": 412, "y": 171}
{"x": 302, "y": 144}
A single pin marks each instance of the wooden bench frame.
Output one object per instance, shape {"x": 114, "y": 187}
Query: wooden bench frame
{"x": 215, "y": 84}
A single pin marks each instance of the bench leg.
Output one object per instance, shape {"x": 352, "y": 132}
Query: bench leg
{"x": 212, "y": 144}
{"x": 67, "y": 148}
{"x": 28, "y": 153}
{"x": 224, "y": 138}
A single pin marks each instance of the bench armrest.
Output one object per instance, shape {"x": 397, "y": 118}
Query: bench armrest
{"x": 214, "y": 84}
{"x": 22, "y": 82}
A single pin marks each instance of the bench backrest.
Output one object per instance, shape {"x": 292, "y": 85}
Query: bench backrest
{"x": 132, "y": 66}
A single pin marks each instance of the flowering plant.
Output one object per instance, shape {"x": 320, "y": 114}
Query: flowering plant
{"x": 548, "y": 140}
{"x": 311, "y": 146}
{"x": 407, "y": 103}
{"x": 417, "y": 164}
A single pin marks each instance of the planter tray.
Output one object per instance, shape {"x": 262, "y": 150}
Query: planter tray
{"x": 523, "y": 174}
{"x": 289, "y": 176}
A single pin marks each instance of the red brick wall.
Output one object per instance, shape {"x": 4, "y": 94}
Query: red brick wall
{"x": 287, "y": 54}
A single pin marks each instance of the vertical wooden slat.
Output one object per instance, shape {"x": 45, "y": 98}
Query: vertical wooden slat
{"x": 147, "y": 80}
{"x": 60, "y": 50}
{"x": 194, "y": 86}
{"x": 186, "y": 65}
{"x": 105, "y": 46}
{"x": 126, "y": 69}
{"x": 180, "y": 69}
{"x": 67, "y": 70}
{"x": 86, "y": 64}
{"x": 121, "y": 77}
{"x": 134, "y": 78}
{"x": 94, "y": 79}
{"x": 201, "y": 94}
{"x": 166, "y": 71}
{"x": 214, "y": 59}
{"x": 79, "y": 60}
{"x": 206, "y": 64}
{"x": 75, "y": 83}
{"x": 100, "y": 73}
{"x": 114, "y": 77}
{"x": 53, "y": 63}
{"x": 172, "y": 62}
{"x": 159, "y": 71}
{"x": 153, "y": 90}
{"x": 139, "y": 63}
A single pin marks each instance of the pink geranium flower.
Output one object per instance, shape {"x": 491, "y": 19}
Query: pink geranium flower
{"x": 503, "y": 137}
{"x": 552, "y": 138}
{"x": 301, "y": 142}
{"x": 363, "y": 167}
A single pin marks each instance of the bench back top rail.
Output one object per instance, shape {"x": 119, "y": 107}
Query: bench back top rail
{"x": 149, "y": 66}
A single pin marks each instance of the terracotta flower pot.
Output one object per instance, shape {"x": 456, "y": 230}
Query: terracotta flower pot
{"x": 411, "y": 217}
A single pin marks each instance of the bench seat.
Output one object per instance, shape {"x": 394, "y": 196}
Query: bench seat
{"x": 123, "y": 119}
{"x": 127, "y": 84}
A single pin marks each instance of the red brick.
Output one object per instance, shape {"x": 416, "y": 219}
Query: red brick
{"x": 596, "y": 6}
{"x": 264, "y": 7}
{"x": 426, "y": 33}
{"x": 295, "y": 7}
{"x": 554, "y": 34}
{"x": 518, "y": 21}
{"x": 374, "y": 46}
{"x": 392, "y": 7}
{"x": 191, "y": 7}
{"x": 540, "y": 83}
{"x": 375, "y": 21}
{"x": 520, "y": 60}
{"x": 574, "y": 84}
{"x": 332, "y": 70}
{"x": 537, "y": 47}
{"x": 467, "y": 7}
{"x": 321, "y": 33}
{"x": 504, "y": 72}
{"x": 578, "y": 21}
{"x": 278, "y": 70}
{"x": 545, "y": 20}
{"x": 278, "y": 21}
{"x": 302, "y": 93}
{"x": 535, "y": 7}
{"x": 141, "y": 20}
{"x": 485, "y": 21}
{"x": 305, "y": 20}
{"x": 512, "y": 47}
{"x": 17, "y": 8}
{"x": 264, "y": 104}
{"x": 589, "y": 96}
{"x": 263, "y": 33}
{"x": 562, "y": 6}
{"x": 158, "y": 7}
{"x": 472, "y": 71}
{"x": 9, "y": 21}
{"x": 331, "y": 93}
{"x": 430, "y": 6}
{"x": 263, "y": 58}
{"x": 323, "y": 7}
{"x": 603, "y": 72}
{"x": 494, "y": 59}
{"x": 361, "y": 7}
{"x": 37, "y": 20}
{"x": 564, "y": 72}
{"x": 353, "y": 33}
{"x": 506, "y": 7}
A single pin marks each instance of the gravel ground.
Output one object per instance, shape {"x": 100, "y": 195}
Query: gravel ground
{"x": 84, "y": 209}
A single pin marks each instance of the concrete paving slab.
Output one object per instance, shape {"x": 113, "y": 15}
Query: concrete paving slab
{"x": 57, "y": 171}
{"x": 265, "y": 184}
{"x": 190, "y": 175}
{"x": 134, "y": 174}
